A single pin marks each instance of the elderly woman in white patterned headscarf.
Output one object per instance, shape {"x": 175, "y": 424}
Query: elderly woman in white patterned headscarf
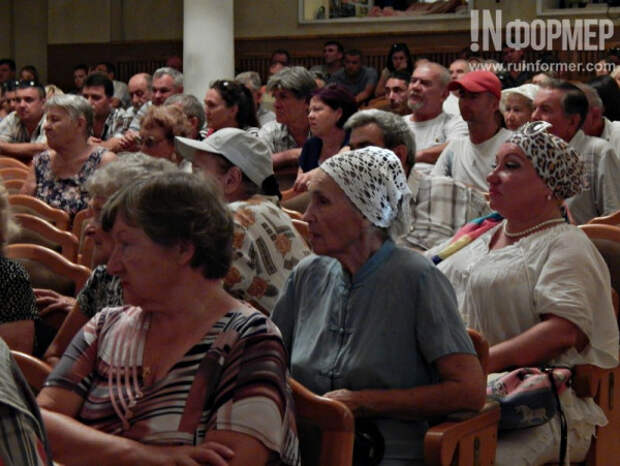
{"x": 368, "y": 323}
{"x": 537, "y": 288}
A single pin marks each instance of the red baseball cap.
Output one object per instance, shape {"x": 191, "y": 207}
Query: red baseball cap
{"x": 478, "y": 81}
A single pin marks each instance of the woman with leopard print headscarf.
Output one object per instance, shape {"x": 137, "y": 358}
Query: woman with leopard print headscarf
{"x": 537, "y": 287}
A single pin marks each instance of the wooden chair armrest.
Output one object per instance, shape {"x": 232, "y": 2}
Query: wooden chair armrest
{"x": 586, "y": 380}
{"x": 472, "y": 437}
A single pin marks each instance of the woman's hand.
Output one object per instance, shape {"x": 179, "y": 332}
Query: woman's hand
{"x": 49, "y": 300}
{"x": 301, "y": 182}
{"x": 209, "y": 453}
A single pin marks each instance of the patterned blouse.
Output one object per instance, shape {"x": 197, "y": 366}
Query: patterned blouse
{"x": 101, "y": 290}
{"x": 17, "y": 301}
{"x": 266, "y": 248}
{"x": 237, "y": 372}
{"x": 67, "y": 194}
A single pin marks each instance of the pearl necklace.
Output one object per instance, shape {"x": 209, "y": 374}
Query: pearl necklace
{"x": 531, "y": 229}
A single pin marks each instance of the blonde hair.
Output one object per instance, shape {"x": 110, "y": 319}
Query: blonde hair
{"x": 8, "y": 227}
{"x": 168, "y": 117}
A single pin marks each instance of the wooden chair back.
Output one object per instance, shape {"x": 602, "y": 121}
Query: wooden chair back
{"x": 35, "y": 371}
{"x": 10, "y": 162}
{"x": 466, "y": 438}
{"x": 13, "y": 173}
{"x": 86, "y": 243}
{"x": 35, "y": 230}
{"x": 48, "y": 269}
{"x": 606, "y": 238}
{"x": 13, "y": 186}
{"x": 326, "y": 428}
{"x": 31, "y": 205}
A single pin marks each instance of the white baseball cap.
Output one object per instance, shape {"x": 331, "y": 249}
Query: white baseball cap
{"x": 237, "y": 146}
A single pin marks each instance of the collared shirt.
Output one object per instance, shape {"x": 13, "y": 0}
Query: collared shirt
{"x": 264, "y": 116}
{"x": 266, "y": 248}
{"x": 381, "y": 329}
{"x": 134, "y": 125}
{"x": 602, "y": 195}
{"x": 611, "y": 133}
{"x": 277, "y": 137}
{"x": 22, "y": 436}
{"x": 13, "y": 130}
{"x": 115, "y": 124}
{"x": 439, "y": 207}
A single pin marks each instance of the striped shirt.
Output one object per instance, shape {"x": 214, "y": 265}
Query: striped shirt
{"x": 236, "y": 372}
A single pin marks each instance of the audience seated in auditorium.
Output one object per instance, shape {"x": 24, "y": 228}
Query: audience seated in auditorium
{"x": 608, "y": 90}
{"x": 10, "y": 94}
{"x": 565, "y": 106}
{"x": 160, "y": 125}
{"x": 57, "y": 175}
{"x": 23, "y": 440}
{"x": 360, "y": 80}
{"x": 396, "y": 92}
{"x": 229, "y": 104}
{"x": 330, "y": 107}
{"x": 470, "y": 159}
{"x": 517, "y": 105}
{"x": 513, "y": 72}
{"x": 18, "y": 311}
{"x": 121, "y": 93}
{"x": 406, "y": 355}
{"x": 439, "y": 205}
{"x": 398, "y": 59}
{"x": 537, "y": 287}
{"x": 21, "y": 132}
{"x": 251, "y": 80}
{"x": 140, "y": 88}
{"x": 102, "y": 289}
{"x": 431, "y": 126}
{"x": 29, "y": 73}
{"x": 172, "y": 246}
{"x": 284, "y": 137}
{"x": 332, "y": 58}
{"x": 266, "y": 245}
{"x": 109, "y": 123}
{"x": 595, "y": 123}
{"x": 193, "y": 110}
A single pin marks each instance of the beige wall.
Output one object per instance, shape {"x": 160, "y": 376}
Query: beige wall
{"x": 30, "y": 34}
{"x": 153, "y": 19}
{"x": 6, "y": 29}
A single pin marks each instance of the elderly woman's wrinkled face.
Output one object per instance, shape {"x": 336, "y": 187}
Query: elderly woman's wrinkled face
{"x": 515, "y": 189}
{"x": 155, "y": 143}
{"x": 60, "y": 129}
{"x": 335, "y": 224}
{"x": 517, "y": 110}
{"x": 146, "y": 269}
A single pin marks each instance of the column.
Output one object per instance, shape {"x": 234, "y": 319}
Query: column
{"x": 208, "y": 44}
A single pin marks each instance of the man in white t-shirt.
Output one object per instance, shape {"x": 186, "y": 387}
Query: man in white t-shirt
{"x": 471, "y": 159}
{"x": 431, "y": 126}
{"x": 565, "y": 106}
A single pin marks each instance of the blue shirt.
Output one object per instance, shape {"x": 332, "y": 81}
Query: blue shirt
{"x": 379, "y": 329}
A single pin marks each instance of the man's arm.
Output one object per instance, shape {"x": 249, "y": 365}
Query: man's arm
{"x": 21, "y": 150}
{"x": 285, "y": 158}
{"x": 430, "y": 154}
{"x": 365, "y": 94}
{"x": 461, "y": 387}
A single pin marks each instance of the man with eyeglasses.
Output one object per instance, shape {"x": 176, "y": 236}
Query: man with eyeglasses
{"x": 109, "y": 123}
{"x": 21, "y": 132}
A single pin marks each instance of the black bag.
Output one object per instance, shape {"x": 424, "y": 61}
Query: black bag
{"x": 369, "y": 445}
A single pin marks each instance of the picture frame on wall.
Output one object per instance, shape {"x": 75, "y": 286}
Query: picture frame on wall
{"x": 338, "y": 11}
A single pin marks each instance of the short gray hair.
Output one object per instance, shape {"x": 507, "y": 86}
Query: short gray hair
{"x": 296, "y": 79}
{"x": 190, "y": 105}
{"x": 176, "y": 75}
{"x": 442, "y": 71}
{"x": 594, "y": 99}
{"x": 394, "y": 128}
{"x": 147, "y": 77}
{"x": 124, "y": 170}
{"x": 75, "y": 105}
{"x": 249, "y": 79}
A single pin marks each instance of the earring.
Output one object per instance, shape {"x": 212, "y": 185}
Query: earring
{"x": 549, "y": 196}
